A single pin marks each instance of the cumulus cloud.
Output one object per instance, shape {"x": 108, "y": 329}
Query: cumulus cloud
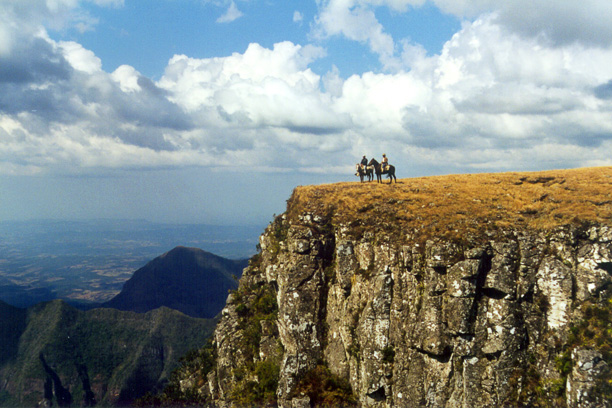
{"x": 561, "y": 22}
{"x": 493, "y": 98}
{"x": 356, "y": 21}
{"x": 55, "y": 14}
{"x": 59, "y": 109}
{"x": 558, "y": 23}
{"x": 80, "y": 58}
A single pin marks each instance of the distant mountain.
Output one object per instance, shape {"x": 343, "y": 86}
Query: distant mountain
{"x": 190, "y": 280}
{"x": 86, "y": 262}
{"x": 52, "y": 354}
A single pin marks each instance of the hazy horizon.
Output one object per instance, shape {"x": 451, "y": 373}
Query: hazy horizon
{"x": 89, "y": 260}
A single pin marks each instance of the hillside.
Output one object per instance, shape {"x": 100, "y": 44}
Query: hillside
{"x": 451, "y": 291}
{"x": 12, "y": 324}
{"x": 55, "y": 354}
{"x": 189, "y": 280}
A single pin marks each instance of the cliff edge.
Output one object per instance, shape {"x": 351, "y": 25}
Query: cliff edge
{"x": 451, "y": 291}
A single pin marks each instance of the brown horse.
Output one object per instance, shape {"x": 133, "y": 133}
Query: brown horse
{"x": 390, "y": 171}
{"x": 368, "y": 171}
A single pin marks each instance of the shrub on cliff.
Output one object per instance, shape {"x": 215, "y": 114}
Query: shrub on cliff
{"x": 325, "y": 389}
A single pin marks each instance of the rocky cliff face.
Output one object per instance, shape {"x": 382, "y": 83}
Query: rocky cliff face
{"x": 375, "y": 312}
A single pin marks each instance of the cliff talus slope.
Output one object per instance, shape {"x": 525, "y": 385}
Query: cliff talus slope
{"x": 454, "y": 291}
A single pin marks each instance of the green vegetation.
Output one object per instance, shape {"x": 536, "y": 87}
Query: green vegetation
{"x": 124, "y": 353}
{"x": 257, "y": 387}
{"x": 257, "y": 380}
{"x": 279, "y": 233}
{"x": 12, "y": 325}
{"x": 593, "y": 332}
{"x": 325, "y": 389}
{"x": 253, "y": 305}
{"x": 388, "y": 354}
{"x": 195, "y": 364}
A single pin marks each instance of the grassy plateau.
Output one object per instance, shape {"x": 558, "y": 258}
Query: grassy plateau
{"x": 455, "y": 206}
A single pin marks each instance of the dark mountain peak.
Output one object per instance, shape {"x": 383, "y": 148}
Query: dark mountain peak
{"x": 183, "y": 251}
{"x": 190, "y": 280}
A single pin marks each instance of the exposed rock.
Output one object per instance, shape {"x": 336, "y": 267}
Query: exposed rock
{"x": 492, "y": 318}
{"x": 434, "y": 326}
{"x": 589, "y": 364}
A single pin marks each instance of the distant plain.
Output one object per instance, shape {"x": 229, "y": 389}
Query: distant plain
{"x": 87, "y": 262}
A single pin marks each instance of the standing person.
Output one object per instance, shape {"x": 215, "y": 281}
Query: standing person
{"x": 385, "y": 162}
{"x": 364, "y": 162}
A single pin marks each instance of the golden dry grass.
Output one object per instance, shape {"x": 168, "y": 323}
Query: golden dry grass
{"x": 459, "y": 205}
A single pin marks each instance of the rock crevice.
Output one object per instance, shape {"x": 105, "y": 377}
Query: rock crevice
{"x": 437, "y": 322}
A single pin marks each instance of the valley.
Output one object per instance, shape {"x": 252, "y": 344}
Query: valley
{"x": 87, "y": 262}
{"x": 54, "y": 354}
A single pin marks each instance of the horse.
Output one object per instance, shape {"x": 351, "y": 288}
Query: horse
{"x": 367, "y": 171}
{"x": 390, "y": 172}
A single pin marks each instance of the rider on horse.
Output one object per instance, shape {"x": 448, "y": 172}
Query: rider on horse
{"x": 385, "y": 162}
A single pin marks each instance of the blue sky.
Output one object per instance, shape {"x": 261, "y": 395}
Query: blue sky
{"x": 214, "y": 110}
{"x": 146, "y": 35}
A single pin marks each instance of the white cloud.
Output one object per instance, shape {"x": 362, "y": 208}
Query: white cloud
{"x": 561, "y": 22}
{"x": 558, "y": 23}
{"x": 507, "y": 92}
{"x": 356, "y": 21}
{"x": 193, "y": 82}
{"x": 127, "y": 78}
{"x": 494, "y": 98}
{"x": 80, "y": 58}
{"x": 297, "y": 17}
{"x": 231, "y": 14}
{"x": 22, "y": 18}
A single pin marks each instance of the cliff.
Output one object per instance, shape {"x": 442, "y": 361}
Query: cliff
{"x": 453, "y": 291}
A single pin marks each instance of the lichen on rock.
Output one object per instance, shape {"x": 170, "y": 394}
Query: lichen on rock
{"x": 398, "y": 308}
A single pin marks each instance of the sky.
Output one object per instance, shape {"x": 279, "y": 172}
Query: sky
{"x": 212, "y": 111}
